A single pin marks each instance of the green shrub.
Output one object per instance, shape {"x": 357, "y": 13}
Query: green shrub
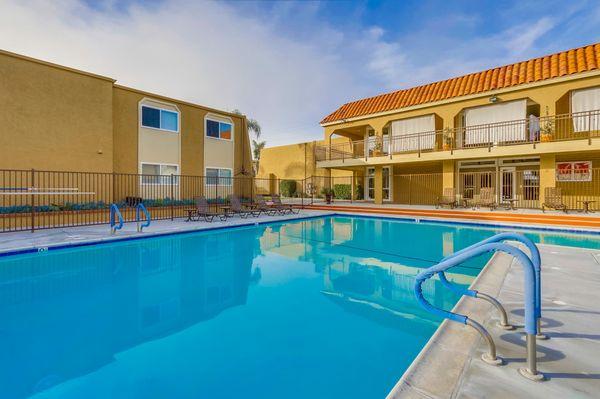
{"x": 287, "y": 188}
{"x": 342, "y": 191}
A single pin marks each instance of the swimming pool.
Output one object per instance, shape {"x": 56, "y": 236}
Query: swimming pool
{"x": 316, "y": 308}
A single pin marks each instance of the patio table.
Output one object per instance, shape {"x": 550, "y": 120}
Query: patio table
{"x": 509, "y": 203}
{"x": 586, "y": 206}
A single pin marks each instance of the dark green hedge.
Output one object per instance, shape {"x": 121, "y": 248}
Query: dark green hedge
{"x": 287, "y": 188}
{"x": 342, "y": 191}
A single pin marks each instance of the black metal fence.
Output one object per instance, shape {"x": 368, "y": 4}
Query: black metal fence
{"x": 34, "y": 199}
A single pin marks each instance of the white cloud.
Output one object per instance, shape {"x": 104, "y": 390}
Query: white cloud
{"x": 286, "y": 65}
{"x": 202, "y": 52}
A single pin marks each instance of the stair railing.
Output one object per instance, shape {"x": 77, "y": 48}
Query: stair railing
{"x": 138, "y": 213}
{"x": 535, "y": 260}
{"x": 531, "y": 324}
{"x": 116, "y": 219}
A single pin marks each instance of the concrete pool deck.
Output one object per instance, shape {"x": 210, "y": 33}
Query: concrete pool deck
{"x": 450, "y": 365}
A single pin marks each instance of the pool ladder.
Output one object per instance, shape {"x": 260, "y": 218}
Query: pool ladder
{"x": 139, "y": 209}
{"x": 116, "y": 219}
{"x": 533, "y": 312}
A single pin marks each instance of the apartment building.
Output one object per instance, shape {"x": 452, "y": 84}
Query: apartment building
{"x": 517, "y": 129}
{"x": 54, "y": 117}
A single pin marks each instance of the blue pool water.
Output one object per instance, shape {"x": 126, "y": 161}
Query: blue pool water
{"x": 318, "y": 308}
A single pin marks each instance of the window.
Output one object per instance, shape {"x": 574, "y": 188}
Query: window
{"x": 159, "y": 173}
{"x": 218, "y": 130}
{"x": 219, "y": 177}
{"x": 160, "y": 119}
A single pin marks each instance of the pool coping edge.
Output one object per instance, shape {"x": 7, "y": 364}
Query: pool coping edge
{"x": 438, "y": 369}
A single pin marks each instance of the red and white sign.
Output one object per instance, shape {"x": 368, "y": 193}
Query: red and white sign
{"x": 574, "y": 171}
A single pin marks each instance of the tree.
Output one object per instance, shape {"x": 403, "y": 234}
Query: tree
{"x": 258, "y": 147}
{"x": 253, "y": 124}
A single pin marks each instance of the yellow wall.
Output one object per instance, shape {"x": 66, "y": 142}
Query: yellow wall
{"x": 56, "y": 118}
{"x": 553, "y": 95}
{"x": 295, "y": 161}
{"x": 547, "y": 93}
{"x": 53, "y": 118}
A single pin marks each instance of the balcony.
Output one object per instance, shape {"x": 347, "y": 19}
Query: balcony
{"x": 554, "y": 128}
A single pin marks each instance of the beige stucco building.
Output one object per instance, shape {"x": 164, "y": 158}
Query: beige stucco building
{"x": 57, "y": 118}
{"x": 516, "y": 130}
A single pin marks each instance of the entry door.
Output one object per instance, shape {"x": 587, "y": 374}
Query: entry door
{"x": 370, "y": 183}
{"x": 508, "y": 183}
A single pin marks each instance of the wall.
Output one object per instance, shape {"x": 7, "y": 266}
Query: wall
{"x": 548, "y": 94}
{"x": 295, "y": 161}
{"x": 54, "y": 118}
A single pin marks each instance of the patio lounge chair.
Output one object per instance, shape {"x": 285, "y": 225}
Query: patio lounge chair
{"x": 238, "y": 208}
{"x": 202, "y": 210}
{"x": 487, "y": 198}
{"x": 261, "y": 205}
{"x": 448, "y": 198}
{"x": 553, "y": 200}
{"x": 285, "y": 208}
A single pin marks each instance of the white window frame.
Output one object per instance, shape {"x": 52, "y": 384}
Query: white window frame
{"x": 218, "y": 119}
{"x": 390, "y": 183}
{"x": 142, "y": 105}
{"x": 218, "y": 177}
{"x": 160, "y": 165}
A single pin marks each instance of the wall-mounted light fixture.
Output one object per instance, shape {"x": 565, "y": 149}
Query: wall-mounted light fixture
{"x": 494, "y": 99}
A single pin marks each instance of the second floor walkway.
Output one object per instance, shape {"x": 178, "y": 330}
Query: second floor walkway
{"x": 583, "y": 127}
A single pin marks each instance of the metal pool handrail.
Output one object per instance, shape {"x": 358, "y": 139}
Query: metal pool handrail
{"x": 536, "y": 260}
{"x": 114, "y": 212}
{"x": 138, "y": 209}
{"x": 530, "y": 371}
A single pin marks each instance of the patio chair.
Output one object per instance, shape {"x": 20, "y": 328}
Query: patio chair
{"x": 448, "y": 198}
{"x": 202, "y": 210}
{"x": 487, "y": 198}
{"x": 285, "y": 208}
{"x": 261, "y": 205}
{"x": 553, "y": 200}
{"x": 244, "y": 211}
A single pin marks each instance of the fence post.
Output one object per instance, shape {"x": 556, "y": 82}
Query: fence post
{"x": 172, "y": 197}
{"x": 590, "y": 128}
{"x": 32, "y": 200}
{"x": 410, "y": 189}
{"x": 312, "y": 190}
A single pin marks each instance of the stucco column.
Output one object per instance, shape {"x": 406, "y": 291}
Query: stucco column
{"x": 378, "y": 180}
{"x": 448, "y": 174}
{"x": 547, "y": 174}
{"x": 272, "y": 183}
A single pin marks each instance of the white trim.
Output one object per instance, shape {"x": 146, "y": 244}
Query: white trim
{"x": 390, "y": 183}
{"x": 176, "y": 111}
{"x": 219, "y": 119}
{"x": 218, "y": 177}
{"x": 159, "y": 164}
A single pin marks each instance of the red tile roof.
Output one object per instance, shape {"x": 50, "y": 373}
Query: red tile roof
{"x": 577, "y": 60}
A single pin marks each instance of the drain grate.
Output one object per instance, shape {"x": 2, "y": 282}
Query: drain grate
{"x": 596, "y": 257}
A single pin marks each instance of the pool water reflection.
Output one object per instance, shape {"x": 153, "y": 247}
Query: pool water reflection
{"x": 315, "y": 308}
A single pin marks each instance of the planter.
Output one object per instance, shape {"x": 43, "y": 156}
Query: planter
{"x": 328, "y": 198}
{"x": 446, "y": 147}
{"x": 544, "y": 138}
{"x": 377, "y": 153}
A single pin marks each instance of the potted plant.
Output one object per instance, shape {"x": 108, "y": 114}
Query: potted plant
{"x": 328, "y": 194}
{"x": 378, "y": 147}
{"x": 546, "y": 129}
{"x": 447, "y": 139}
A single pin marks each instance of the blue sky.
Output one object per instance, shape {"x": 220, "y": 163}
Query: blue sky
{"x": 288, "y": 64}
